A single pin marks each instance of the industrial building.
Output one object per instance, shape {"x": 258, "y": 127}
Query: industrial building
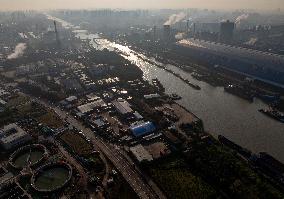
{"x": 256, "y": 64}
{"x": 71, "y": 99}
{"x": 142, "y": 129}
{"x": 140, "y": 153}
{"x": 12, "y": 136}
{"x": 122, "y": 106}
{"x": 152, "y": 96}
{"x": 227, "y": 32}
{"x": 89, "y": 107}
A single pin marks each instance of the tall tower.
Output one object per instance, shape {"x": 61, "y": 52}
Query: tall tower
{"x": 187, "y": 26}
{"x": 227, "y": 32}
{"x": 154, "y": 32}
{"x": 56, "y": 32}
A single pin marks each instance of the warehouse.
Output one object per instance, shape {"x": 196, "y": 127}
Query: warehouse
{"x": 142, "y": 129}
{"x": 256, "y": 64}
{"x": 89, "y": 107}
{"x": 140, "y": 153}
{"x": 122, "y": 106}
{"x": 12, "y": 136}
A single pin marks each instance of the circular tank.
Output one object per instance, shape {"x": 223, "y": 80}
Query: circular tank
{"x": 29, "y": 155}
{"x": 51, "y": 177}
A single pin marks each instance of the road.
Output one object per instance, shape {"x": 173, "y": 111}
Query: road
{"x": 145, "y": 189}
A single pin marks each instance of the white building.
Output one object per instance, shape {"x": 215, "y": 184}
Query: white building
{"x": 140, "y": 153}
{"x": 89, "y": 107}
{"x": 12, "y": 136}
{"x": 122, "y": 106}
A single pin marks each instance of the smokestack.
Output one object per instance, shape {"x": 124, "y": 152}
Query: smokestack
{"x": 56, "y": 32}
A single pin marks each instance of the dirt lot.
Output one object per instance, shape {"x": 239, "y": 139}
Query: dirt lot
{"x": 51, "y": 119}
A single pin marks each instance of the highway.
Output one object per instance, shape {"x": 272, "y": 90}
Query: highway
{"x": 145, "y": 189}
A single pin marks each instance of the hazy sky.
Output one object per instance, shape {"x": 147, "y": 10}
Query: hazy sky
{"x": 128, "y": 4}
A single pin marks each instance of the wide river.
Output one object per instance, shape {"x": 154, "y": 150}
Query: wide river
{"x": 221, "y": 112}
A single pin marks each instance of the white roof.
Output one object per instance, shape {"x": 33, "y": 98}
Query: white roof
{"x": 141, "y": 153}
{"x": 2, "y": 102}
{"x": 150, "y": 96}
{"x": 71, "y": 98}
{"x": 92, "y": 97}
{"x": 90, "y": 106}
{"x": 122, "y": 106}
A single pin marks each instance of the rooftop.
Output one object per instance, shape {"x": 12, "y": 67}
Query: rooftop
{"x": 11, "y": 133}
{"x": 86, "y": 108}
{"x": 143, "y": 129}
{"x": 266, "y": 58}
{"x": 141, "y": 153}
{"x": 122, "y": 106}
{"x": 71, "y": 98}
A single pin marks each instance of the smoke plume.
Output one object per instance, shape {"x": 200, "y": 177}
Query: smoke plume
{"x": 241, "y": 19}
{"x": 173, "y": 19}
{"x": 18, "y": 52}
{"x": 179, "y": 36}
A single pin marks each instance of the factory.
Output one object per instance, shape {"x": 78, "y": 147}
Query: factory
{"x": 140, "y": 153}
{"x": 89, "y": 107}
{"x": 12, "y": 136}
{"x": 123, "y": 107}
{"x": 142, "y": 129}
{"x": 256, "y": 64}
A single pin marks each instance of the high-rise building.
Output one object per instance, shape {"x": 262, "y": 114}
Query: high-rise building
{"x": 226, "y": 34}
{"x": 167, "y": 32}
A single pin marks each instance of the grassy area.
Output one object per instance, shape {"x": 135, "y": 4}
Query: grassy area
{"x": 51, "y": 119}
{"x": 209, "y": 171}
{"x": 176, "y": 180}
{"x": 17, "y": 100}
{"x": 78, "y": 144}
{"x": 228, "y": 173}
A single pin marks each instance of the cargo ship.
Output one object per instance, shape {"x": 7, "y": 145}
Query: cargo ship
{"x": 274, "y": 114}
{"x": 196, "y": 87}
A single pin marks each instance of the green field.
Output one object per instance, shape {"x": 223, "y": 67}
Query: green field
{"x": 77, "y": 143}
{"x": 176, "y": 181}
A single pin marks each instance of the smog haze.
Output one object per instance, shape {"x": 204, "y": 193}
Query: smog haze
{"x": 139, "y": 4}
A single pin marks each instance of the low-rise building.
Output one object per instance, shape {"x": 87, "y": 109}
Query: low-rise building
{"x": 140, "y": 153}
{"x": 12, "y": 136}
{"x": 122, "y": 106}
{"x": 152, "y": 96}
{"x": 71, "y": 99}
{"x": 89, "y": 107}
{"x": 142, "y": 129}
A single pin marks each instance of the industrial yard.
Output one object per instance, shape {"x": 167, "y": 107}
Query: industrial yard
{"x": 87, "y": 113}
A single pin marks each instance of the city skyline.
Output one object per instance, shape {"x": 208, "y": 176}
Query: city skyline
{"x": 146, "y": 4}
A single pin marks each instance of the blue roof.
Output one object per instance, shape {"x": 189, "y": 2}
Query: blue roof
{"x": 143, "y": 129}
